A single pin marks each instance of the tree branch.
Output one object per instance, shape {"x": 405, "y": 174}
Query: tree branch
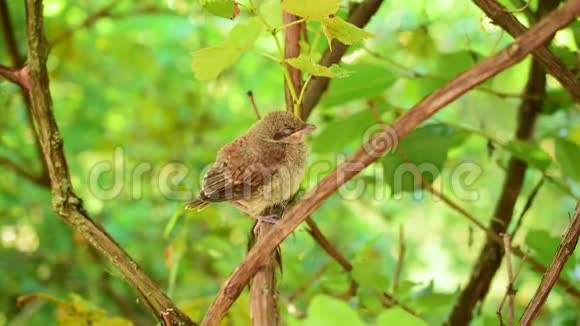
{"x": 553, "y": 65}
{"x": 19, "y": 75}
{"x": 491, "y": 254}
{"x": 292, "y": 50}
{"x": 360, "y": 15}
{"x": 377, "y": 146}
{"x": 326, "y": 245}
{"x": 566, "y": 248}
{"x": 65, "y": 202}
{"x": 38, "y": 180}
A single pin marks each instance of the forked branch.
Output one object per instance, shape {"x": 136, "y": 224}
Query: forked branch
{"x": 65, "y": 202}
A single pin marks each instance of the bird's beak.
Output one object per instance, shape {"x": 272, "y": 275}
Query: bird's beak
{"x": 307, "y": 128}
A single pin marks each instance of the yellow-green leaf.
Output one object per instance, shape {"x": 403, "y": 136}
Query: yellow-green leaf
{"x": 337, "y": 28}
{"x": 305, "y": 63}
{"x": 243, "y": 36}
{"x": 311, "y": 9}
{"x": 208, "y": 63}
{"x": 221, "y": 8}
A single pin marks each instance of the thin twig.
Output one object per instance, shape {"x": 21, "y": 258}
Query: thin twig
{"x": 25, "y": 173}
{"x": 378, "y": 145}
{"x": 527, "y": 206}
{"x": 565, "y": 250}
{"x": 510, "y": 291}
{"x": 401, "y": 258}
{"x": 326, "y": 245}
{"x": 553, "y": 65}
{"x": 388, "y": 300}
{"x": 254, "y": 106}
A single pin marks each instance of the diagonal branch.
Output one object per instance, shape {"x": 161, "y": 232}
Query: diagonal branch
{"x": 553, "y": 65}
{"x": 566, "y": 248}
{"x": 377, "y": 146}
{"x": 491, "y": 254}
{"x": 65, "y": 202}
{"x": 360, "y": 15}
{"x": 535, "y": 265}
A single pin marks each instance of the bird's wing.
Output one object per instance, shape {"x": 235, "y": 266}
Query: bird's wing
{"x": 238, "y": 174}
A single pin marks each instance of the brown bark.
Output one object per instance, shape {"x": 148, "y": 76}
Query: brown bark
{"x": 65, "y": 202}
{"x": 553, "y": 65}
{"x": 565, "y": 250}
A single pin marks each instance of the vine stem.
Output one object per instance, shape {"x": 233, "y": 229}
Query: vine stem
{"x": 302, "y": 94}
{"x": 281, "y": 59}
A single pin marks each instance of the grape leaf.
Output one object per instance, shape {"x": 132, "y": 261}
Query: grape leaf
{"x": 311, "y": 10}
{"x": 366, "y": 80}
{"x": 427, "y": 149}
{"x": 221, "y": 8}
{"x": 243, "y": 36}
{"x": 335, "y": 27}
{"x": 305, "y": 63}
{"x": 208, "y": 63}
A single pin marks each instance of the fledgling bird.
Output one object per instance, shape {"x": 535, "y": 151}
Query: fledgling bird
{"x": 262, "y": 168}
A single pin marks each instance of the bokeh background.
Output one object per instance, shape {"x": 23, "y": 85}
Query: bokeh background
{"x": 139, "y": 129}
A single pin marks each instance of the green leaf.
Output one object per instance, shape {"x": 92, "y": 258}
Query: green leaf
{"x": 305, "y": 63}
{"x": 337, "y": 28}
{"x": 208, "y": 63}
{"x": 311, "y": 10}
{"x": 243, "y": 36}
{"x": 529, "y": 152}
{"x": 221, "y": 8}
{"x": 398, "y": 316}
{"x": 543, "y": 244}
{"x": 365, "y": 81}
{"x": 427, "y": 149}
{"x": 337, "y": 135}
{"x": 326, "y": 311}
{"x": 568, "y": 156}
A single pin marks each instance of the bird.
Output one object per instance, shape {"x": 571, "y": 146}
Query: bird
{"x": 260, "y": 169}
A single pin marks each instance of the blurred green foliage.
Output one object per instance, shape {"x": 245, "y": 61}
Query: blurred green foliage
{"x": 125, "y": 96}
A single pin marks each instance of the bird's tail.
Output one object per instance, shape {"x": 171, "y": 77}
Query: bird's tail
{"x": 197, "y": 204}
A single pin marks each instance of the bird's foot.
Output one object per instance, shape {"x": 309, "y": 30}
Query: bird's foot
{"x": 272, "y": 219}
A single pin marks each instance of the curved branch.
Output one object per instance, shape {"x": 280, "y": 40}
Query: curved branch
{"x": 566, "y": 248}
{"x": 65, "y": 202}
{"x": 553, "y": 65}
{"x": 376, "y": 147}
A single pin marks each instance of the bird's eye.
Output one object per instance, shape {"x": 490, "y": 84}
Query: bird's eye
{"x": 283, "y": 133}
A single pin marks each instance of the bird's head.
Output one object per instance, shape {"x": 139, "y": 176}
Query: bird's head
{"x": 282, "y": 127}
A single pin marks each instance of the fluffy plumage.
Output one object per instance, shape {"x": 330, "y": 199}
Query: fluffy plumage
{"x": 259, "y": 169}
